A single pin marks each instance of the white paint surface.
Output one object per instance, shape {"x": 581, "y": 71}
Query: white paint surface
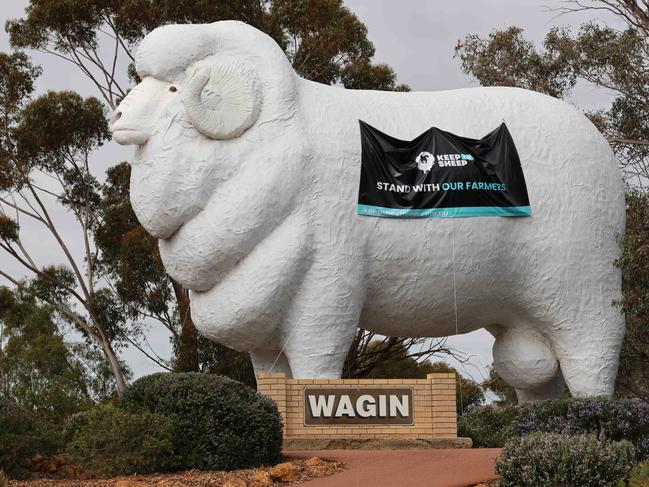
{"x": 262, "y": 227}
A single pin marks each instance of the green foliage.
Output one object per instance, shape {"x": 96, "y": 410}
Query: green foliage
{"x": 613, "y": 59}
{"x": 52, "y": 284}
{"x": 639, "y": 476}
{"x": 4, "y": 481}
{"x": 110, "y": 441}
{"x": 506, "y": 58}
{"x": 327, "y": 43}
{"x": 99, "y": 377}
{"x": 73, "y": 423}
{"x": 54, "y": 133}
{"x": 129, "y": 255}
{"x": 363, "y": 75}
{"x": 22, "y": 437}
{"x": 495, "y": 384}
{"x": 57, "y": 126}
{"x": 468, "y": 395}
{"x": 17, "y": 76}
{"x": 488, "y": 426}
{"x": 37, "y": 370}
{"x": 399, "y": 365}
{"x": 77, "y": 19}
{"x": 8, "y": 229}
{"x": 377, "y": 356}
{"x": 549, "y": 459}
{"x": 218, "y": 359}
{"x": 219, "y": 424}
{"x": 617, "y": 59}
{"x": 634, "y": 264}
{"x": 135, "y": 18}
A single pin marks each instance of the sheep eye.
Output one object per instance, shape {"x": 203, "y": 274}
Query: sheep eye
{"x": 173, "y": 89}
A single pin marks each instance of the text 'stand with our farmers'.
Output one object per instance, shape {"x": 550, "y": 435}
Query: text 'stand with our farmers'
{"x": 439, "y": 174}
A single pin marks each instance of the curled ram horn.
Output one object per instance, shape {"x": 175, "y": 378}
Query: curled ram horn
{"x": 239, "y": 99}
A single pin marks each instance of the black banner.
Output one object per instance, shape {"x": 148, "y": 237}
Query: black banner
{"x": 441, "y": 175}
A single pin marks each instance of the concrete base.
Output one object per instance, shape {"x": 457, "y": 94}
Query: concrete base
{"x": 360, "y": 443}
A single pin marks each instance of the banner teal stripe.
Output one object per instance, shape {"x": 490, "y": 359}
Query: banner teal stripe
{"x": 369, "y": 210}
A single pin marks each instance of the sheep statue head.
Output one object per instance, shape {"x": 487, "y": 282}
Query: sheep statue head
{"x": 218, "y": 80}
{"x": 209, "y": 99}
{"x": 220, "y": 99}
{"x": 186, "y": 70}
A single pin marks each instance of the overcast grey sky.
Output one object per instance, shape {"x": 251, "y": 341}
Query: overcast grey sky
{"x": 415, "y": 37}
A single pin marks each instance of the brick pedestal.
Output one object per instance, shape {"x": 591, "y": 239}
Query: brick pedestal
{"x": 433, "y": 407}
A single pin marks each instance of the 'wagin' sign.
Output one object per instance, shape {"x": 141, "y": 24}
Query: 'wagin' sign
{"x": 358, "y": 406}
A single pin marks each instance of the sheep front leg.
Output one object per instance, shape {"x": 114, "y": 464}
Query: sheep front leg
{"x": 323, "y": 356}
{"x": 323, "y": 322}
{"x": 266, "y": 361}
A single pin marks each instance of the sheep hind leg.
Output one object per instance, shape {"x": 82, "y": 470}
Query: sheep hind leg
{"x": 266, "y": 361}
{"x": 588, "y": 348}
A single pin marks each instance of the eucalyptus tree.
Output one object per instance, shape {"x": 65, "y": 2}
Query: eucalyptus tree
{"x": 45, "y": 149}
{"x": 40, "y": 370}
{"x": 615, "y": 60}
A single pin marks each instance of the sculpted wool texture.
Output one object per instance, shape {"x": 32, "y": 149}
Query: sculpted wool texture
{"x": 248, "y": 175}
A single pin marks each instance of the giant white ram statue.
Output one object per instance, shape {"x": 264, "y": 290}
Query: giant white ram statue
{"x": 248, "y": 176}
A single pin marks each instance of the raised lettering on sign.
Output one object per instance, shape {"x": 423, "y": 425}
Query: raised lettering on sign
{"x": 358, "y": 406}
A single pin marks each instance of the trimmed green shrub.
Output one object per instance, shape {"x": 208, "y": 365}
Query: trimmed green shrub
{"x": 639, "y": 476}
{"x": 219, "y": 423}
{"x": 551, "y": 459}
{"x": 616, "y": 419}
{"x": 110, "y": 441}
{"x": 22, "y": 438}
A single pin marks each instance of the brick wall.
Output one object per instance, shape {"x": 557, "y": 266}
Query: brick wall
{"x": 433, "y": 406}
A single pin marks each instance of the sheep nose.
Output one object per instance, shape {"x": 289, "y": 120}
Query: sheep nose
{"x": 115, "y": 116}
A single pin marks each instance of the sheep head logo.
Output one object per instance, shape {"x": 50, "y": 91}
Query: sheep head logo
{"x": 425, "y": 161}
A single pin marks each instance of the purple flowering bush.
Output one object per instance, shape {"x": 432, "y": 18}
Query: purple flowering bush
{"x": 614, "y": 419}
{"x": 553, "y": 459}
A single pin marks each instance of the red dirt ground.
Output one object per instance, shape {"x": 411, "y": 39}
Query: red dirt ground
{"x": 412, "y": 468}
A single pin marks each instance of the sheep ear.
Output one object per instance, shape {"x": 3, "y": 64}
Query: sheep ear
{"x": 222, "y": 100}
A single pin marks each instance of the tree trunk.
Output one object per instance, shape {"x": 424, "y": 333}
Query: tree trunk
{"x": 187, "y": 348}
{"x": 113, "y": 362}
